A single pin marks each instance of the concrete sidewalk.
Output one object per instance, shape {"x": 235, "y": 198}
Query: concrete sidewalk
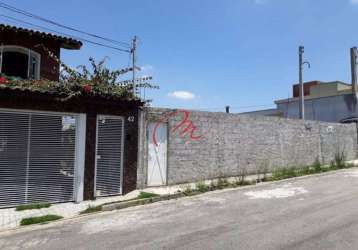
{"x": 10, "y": 219}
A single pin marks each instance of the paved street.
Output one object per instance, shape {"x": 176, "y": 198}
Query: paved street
{"x": 319, "y": 212}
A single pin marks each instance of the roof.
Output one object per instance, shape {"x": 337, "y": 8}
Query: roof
{"x": 319, "y": 89}
{"x": 64, "y": 97}
{"x": 65, "y": 42}
{"x": 65, "y": 91}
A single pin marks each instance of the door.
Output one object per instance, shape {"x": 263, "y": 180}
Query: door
{"x": 37, "y": 157}
{"x": 157, "y": 154}
{"x": 51, "y": 172}
{"x": 109, "y": 155}
{"x": 14, "y": 134}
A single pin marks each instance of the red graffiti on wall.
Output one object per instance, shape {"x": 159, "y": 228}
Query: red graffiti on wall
{"x": 185, "y": 126}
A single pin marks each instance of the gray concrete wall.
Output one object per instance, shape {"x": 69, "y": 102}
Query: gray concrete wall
{"x": 329, "y": 109}
{"x": 233, "y": 142}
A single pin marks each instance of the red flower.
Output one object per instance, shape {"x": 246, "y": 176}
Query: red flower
{"x": 87, "y": 88}
{"x": 3, "y": 80}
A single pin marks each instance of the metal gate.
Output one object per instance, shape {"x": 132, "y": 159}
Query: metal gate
{"x": 157, "y": 154}
{"x": 37, "y": 157}
{"x": 109, "y": 155}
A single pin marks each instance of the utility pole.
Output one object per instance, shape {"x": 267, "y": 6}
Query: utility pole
{"x": 354, "y": 56}
{"x": 301, "y": 50}
{"x": 133, "y": 52}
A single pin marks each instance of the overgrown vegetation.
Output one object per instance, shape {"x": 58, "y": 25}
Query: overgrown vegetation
{"x": 241, "y": 179}
{"x": 91, "y": 209}
{"x": 222, "y": 183}
{"x": 32, "y": 206}
{"x": 202, "y": 187}
{"x": 317, "y": 166}
{"x": 40, "y": 219}
{"x": 339, "y": 162}
{"x": 145, "y": 195}
{"x": 262, "y": 176}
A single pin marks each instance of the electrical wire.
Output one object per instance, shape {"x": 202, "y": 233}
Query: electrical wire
{"x": 214, "y": 109}
{"x": 28, "y": 14}
{"x": 254, "y": 106}
{"x": 64, "y": 34}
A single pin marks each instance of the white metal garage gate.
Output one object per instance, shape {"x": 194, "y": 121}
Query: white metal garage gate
{"x": 109, "y": 155}
{"x": 37, "y": 157}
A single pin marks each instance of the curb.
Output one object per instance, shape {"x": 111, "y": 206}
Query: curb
{"x": 133, "y": 203}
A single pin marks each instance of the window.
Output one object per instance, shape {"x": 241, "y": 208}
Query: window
{"x": 19, "y": 62}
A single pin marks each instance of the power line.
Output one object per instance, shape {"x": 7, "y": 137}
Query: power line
{"x": 254, "y": 106}
{"x": 236, "y": 108}
{"x": 64, "y": 34}
{"x": 28, "y": 14}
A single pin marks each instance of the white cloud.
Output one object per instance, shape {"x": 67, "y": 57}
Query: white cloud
{"x": 183, "y": 95}
{"x": 354, "y": 2}
{"x": 146, "y": 68}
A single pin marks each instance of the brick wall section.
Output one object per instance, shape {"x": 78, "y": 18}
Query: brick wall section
{"x": 233, "y": 142}
{"x": 49, "y": 68}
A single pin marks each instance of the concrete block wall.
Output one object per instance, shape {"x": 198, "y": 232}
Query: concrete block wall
{"x": 230, "y": 143}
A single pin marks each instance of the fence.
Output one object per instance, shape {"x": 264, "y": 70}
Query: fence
{"x": 205, "y": 145}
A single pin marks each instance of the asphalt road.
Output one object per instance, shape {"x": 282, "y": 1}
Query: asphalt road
{"x": 319, "y": 212}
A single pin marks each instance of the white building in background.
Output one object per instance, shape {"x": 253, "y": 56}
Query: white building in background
{"x": 324, "y": 101}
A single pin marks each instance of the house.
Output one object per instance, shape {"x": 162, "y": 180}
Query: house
{"x": 24, "y": 52}
{"x": 324, "y": 101}
{"x": 60, "y": 143}
{"x": 334, "y": 101}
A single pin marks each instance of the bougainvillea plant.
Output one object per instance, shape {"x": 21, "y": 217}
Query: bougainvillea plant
{"x": 97, "y": 80}
{"x": 3, "y": 80}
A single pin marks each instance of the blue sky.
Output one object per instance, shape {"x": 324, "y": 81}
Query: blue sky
{"x": 208, "y": 54}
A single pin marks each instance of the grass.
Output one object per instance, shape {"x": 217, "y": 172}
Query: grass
{"x": 39, "y": 220}
{"x": 222, "y": 183}
{"x": 315, "y": 168}
{"x": 32, "y": 206}
{"x": 202, "y": 187}
{"x": 145, "y": 195}
{"x": 91, "y": 209}
{"x": 277, "y": 174}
